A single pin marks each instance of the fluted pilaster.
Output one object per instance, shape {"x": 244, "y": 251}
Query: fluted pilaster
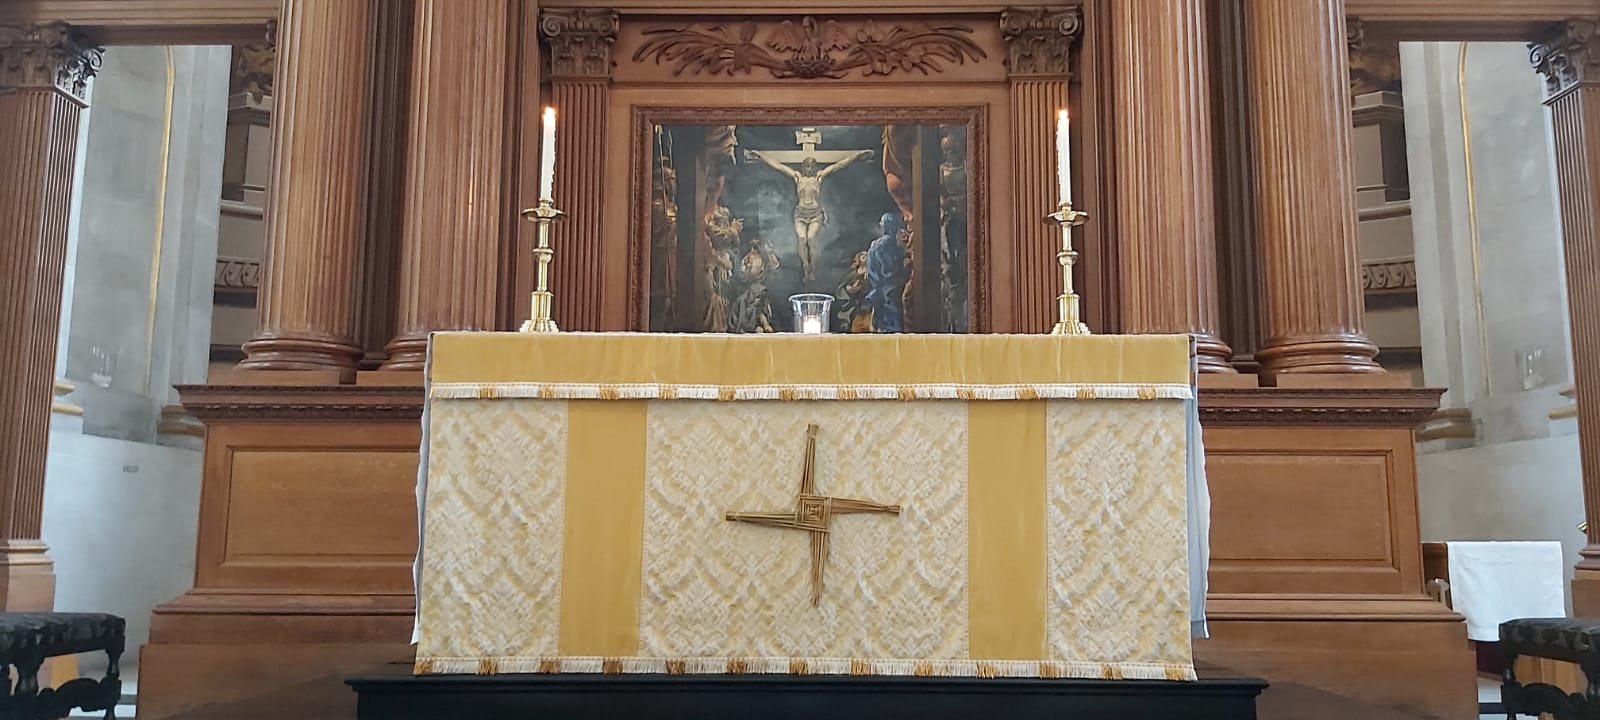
{"x": 1164, "y": 173}
{"x": 1238, "y": 287}
{"x": 580, "y": 89}
{"x": 1570, "y": 63}
{"x": 455, "y": 154}
{"x": 43, "y": 71}
{"x": 316, "y": 209}
{"x": 379, "y": 269}
{"x": 1039, "y": 41}
{"x": 1305, "y": 191}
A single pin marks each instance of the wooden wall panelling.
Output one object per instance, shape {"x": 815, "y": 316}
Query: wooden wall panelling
{"x": 1040, "y": 43}
{"x": 43, "y": 71}
{"x": 1567, "y": 59}
{"x": 307, "y": 534}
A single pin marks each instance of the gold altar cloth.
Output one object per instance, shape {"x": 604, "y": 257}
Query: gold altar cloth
{"x": 576, "y": 487}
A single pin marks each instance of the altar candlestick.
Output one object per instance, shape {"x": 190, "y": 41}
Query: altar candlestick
{"x": 1063, "y": 157}
{"x": 547, "y": 159}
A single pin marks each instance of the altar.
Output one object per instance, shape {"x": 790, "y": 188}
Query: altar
{"x": 956, "y": 506}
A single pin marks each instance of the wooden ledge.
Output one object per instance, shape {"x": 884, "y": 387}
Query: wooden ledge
{"x": 210, "y": 403}
{"x": 1277, "y": 406}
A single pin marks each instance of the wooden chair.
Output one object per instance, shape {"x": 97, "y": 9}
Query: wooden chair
{"x": 1573, "y": 640}
{"x": 28, "y": 639}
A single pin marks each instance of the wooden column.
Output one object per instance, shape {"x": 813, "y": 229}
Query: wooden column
{"x": 1039, "y": 61}
{"x": 453, "y": 208}
{"x": 380, "y": 249}
{"x": 1570, "y": 63}
{"x": 1305, "y": 192}
{"x": 1164, "y": 174}
{"x": 316, "y": 208}
{"x": 1239, "y": 287}
{"x": 580, "y": 91}
{"x": 43, "y": 71}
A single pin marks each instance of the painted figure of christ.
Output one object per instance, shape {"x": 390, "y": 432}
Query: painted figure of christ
{"x": 808, "y": 213}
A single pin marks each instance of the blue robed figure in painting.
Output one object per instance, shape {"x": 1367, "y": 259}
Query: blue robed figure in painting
{"x": 887, "y": 276}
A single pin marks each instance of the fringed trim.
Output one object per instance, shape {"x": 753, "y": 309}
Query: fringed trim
{"x": 727, "y": 393}
{"x": 806, "y": 666}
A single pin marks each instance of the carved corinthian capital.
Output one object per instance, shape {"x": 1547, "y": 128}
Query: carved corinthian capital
{"x": 580, "y": 41}
{"x": 1570, "y": 56}
{"x": 1039, "y": 40}
{"x": 48, "y": 55}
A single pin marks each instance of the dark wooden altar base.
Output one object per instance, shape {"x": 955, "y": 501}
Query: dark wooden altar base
{"x": 788, "y": 697}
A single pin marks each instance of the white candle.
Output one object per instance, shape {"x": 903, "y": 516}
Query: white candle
{"x": 1063, "y": 157}
{"x": 811, "y": 326}
{"x": 547, "y": 156}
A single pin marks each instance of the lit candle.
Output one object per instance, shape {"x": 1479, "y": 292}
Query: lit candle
{"x": 811, "y": 326}
{"x": 1063, "y": 157}
{"x": 547, "y": 159}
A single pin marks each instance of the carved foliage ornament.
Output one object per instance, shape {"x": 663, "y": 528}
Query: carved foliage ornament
{"x": 580, "y": 41}
{"x": 47, "y": 55}
{"x": 1374, "y": 67}
{"x": 1039, "y": 39}
{"x": 1570, "y": 56}
{"x": 809, "y": 48}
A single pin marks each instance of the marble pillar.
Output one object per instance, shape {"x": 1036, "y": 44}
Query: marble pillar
{"x": 580, "y": 90}
{"x": 43, "y": 73}
{"x": 1311, "y": 314}
{"x": 454, "y": 210}
{"x": 1570, "y": 61}
{"x": 1164, "y": 174}
{"x": 316, "y": 212}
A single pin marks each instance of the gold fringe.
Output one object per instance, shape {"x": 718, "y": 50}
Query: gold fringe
{"x": 424, "y": 666}
{"x": 611, "y": 666}
{"x": 923, "y": 668}
{"x": 1027, "y": 394}
{"x": 1086, "y": 393}
{"x": 1111, "y": 672}
{"x": 488, "y": 666}
{"x": 966, "y": 393}
{"x": 726, "y": 394}
{"x": 486, "y": 392}
{"x": 610, "y": 392}
{"x": 669, "y": 392}
{"x": 1051, "y": 671}
{"x": 547, "y": 392}
{"x": 848, "y": 393}
{"x": 677, "y": 667}
{"x": 799, "y": 666}
{"x": 738, "y": 666}
{"x": 1175, "y": 673}
{"x": 987, "y": 671}
{"x": 788, "y": 394}
{"x": 860, "y": 667}
{"x": 549, "y": 666}
{"x": 1147, "y": 393}
{"x": 906, "y": 392}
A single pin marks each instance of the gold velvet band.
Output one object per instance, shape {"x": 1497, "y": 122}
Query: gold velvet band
{"x": 794, "y": 360}
{"x": 1006, "y": 530}
{"x": 604, "y": 529}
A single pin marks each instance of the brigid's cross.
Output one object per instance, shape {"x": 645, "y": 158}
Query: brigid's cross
{"x": 813, "y": 513}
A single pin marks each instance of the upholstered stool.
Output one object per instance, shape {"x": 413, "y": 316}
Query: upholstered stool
{"x": 27, "y": 639}
{"x": 1574, "y": 640}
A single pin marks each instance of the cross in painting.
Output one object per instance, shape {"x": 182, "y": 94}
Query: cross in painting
{"x": 813, "y": 513}
{"x": 815, "y": 166}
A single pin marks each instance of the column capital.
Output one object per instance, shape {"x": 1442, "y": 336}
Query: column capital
{"x": 1374, "y": 67}
{"x": 580, "y": 41}
{"x": 47, "y": 55}
{"x": 1569, "y": 56}
{"x": 1039, "y": 40}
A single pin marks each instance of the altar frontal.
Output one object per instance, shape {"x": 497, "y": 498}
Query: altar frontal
{"x": 940, "y": 505}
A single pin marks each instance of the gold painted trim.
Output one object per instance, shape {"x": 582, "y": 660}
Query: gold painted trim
{"x": 161, "y": 226}
{"x": 60, "y": 406}
{"x": 593, "y": 665}
{"x": 1472, "y": 216}
{"x": 1564, "y": 412}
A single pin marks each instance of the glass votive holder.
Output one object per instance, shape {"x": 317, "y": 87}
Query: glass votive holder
{"x": 811, "y": 312}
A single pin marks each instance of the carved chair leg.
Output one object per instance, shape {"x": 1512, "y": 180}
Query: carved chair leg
{"x": 1509, "y": 687}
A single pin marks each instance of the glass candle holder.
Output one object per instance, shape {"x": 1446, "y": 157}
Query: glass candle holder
{"x": 811, "y": 312}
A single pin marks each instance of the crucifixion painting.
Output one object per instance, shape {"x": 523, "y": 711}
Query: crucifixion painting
{"x": 813, "y": 513}
{"x": 814, "y": 167}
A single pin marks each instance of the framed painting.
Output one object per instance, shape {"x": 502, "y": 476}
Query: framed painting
{"x": 740, "y": 209}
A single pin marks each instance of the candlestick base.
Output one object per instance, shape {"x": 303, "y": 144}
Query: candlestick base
{"x": 545, "y": 214}
{"x": 1070, "y": 322}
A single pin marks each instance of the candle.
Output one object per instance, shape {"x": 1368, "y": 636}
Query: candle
{"x": 811, "y": 326}
{"x": 547, "y": 156}
{"x": 1063, "y": 157}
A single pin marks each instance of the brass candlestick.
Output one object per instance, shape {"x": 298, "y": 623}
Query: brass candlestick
{"x": 539, "y": 315}
{"x": 1067, "y": 219}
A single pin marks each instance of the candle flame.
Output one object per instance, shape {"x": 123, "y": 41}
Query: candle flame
{"x": 1061, "y": 115}
{"x": 549, "y": 114}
